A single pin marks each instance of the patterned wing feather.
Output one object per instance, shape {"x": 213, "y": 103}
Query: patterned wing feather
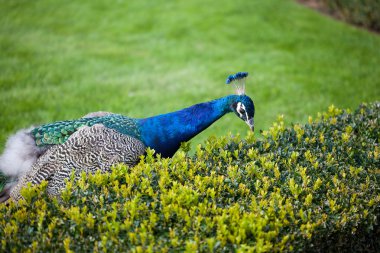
{"x": 87, "y": 150}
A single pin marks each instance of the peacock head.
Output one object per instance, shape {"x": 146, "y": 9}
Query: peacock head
{"x": 242, "y": 105}
{"x": 244, "y": 108}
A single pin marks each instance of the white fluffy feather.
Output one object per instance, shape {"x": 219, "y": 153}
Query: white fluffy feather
{"x": 20, "y": 154}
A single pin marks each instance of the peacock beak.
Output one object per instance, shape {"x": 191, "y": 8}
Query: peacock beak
{"x": 250, "y": 122}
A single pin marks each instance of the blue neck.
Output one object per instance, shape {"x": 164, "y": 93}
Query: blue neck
{"x": 164, "y": 133}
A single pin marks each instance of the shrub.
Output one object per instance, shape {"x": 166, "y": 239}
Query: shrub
{"x": 303, "y": 188}
{"x": 360, "y": 12}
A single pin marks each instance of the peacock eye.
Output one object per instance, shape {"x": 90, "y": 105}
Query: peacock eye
{"x": 240, "y": 108}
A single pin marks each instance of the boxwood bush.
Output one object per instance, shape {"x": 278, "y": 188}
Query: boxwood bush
{"x": 302, "y": 188}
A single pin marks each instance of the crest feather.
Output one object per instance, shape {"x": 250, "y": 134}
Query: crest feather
{"x": 238, "y": 81}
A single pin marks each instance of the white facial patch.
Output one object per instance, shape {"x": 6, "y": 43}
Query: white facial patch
{"x": 238, "y": 108}
{"x": 241, "y": 110}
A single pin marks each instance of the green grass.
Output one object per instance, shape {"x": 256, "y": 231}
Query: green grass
{"x": 62, "y": 59}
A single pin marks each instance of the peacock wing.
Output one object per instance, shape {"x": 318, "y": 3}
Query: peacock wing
{"x": 86, "y": 150}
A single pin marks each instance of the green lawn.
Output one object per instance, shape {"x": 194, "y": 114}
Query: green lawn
{"x": 62, "y": 59}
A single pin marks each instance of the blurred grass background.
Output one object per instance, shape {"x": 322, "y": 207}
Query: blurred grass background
{"x": 62, "y": 59}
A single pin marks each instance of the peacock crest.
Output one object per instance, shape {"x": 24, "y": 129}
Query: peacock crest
{"x": 238, "y": 81}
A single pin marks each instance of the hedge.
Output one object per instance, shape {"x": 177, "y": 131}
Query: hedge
{"x": 360, "y": 12}
{"x": 302, "y": 188}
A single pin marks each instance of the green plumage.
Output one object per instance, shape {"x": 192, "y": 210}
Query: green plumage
{"x": 59, "y": 132}
{"x": 3, "y": 181}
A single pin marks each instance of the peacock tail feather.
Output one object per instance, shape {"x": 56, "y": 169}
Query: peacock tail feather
{"x": 59, "y": 132}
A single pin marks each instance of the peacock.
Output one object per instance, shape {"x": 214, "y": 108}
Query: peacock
{"x": 99, "y": 140}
